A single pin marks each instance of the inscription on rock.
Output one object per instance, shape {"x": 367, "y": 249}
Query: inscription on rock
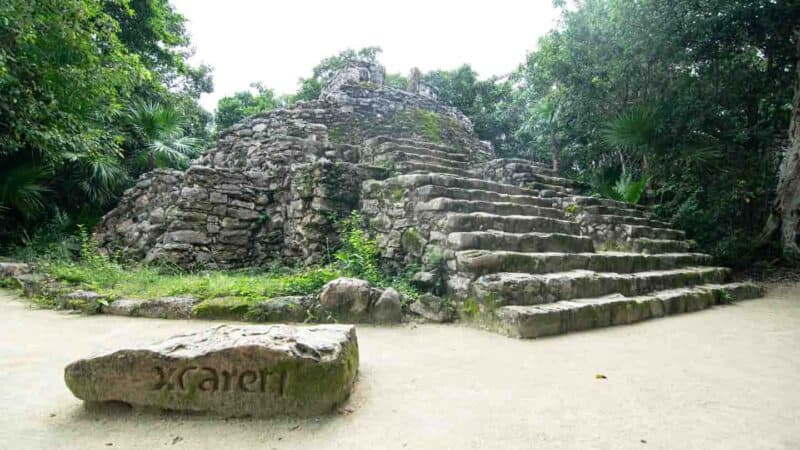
{"x": 209, "y": 379}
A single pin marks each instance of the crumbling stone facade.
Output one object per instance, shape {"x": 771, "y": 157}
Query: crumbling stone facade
{"x": 272, "y": 189}
{"x": 516, "y": 247}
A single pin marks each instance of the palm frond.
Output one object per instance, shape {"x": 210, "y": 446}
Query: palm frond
{"x": 633, "y": 130}
{"x": 627, "y": 189}
{"x": 166, "y": 152}
{"x": 23, "y": 189}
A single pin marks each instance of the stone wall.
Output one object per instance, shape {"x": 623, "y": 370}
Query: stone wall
{"x": 272, "y": 188}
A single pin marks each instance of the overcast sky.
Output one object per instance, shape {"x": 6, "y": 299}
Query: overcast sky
{"x": 277, "y": 42}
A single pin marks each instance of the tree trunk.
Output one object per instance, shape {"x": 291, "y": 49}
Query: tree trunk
{"x": 785, "y": 214}
{"x": 554, "y": 150}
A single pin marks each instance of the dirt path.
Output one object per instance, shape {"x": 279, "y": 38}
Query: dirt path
{"x": 725, "y": 378}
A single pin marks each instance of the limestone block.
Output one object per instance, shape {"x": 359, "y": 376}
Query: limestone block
{"x": 10, "y": 270}
{"x": 388, "y": 308}
{"x": 158, "y": 308}
{"x": 234, "y": 371}
{"x": 348, "y": 298}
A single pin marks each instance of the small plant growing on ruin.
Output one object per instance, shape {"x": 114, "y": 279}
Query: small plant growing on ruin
{"x": 470, "y": 307}
{"x": 611, "y": 246}
{"x": 571, "y": 209}
{"x": 359, "y": 254}
{"x": 725, "y": 297}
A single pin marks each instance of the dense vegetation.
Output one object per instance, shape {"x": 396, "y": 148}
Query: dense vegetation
{"x": 683, "y": 103}
{"x": 358, "y": 257}
{"x": 92, "y": 93}
{"x": 688, "y": 100}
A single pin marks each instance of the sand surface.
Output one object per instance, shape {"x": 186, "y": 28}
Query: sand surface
{"x": 725, "y": 378}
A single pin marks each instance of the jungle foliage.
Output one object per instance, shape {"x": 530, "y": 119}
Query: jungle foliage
{"x": 682, "y": 103}
{"x": 92, "y": 93}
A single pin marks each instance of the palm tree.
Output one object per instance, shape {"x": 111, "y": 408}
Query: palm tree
{"x": 161, "y": 130}
{"x": 23, "y": 189}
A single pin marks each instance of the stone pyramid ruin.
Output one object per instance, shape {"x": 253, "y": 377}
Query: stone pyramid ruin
{"x": 514, "y": 246}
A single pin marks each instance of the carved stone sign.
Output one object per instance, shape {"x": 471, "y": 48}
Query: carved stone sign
{"x": 235, "y": 371}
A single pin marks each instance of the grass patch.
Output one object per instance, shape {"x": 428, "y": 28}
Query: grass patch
{"x": 151, "y": 282}
{"x": 224, "y": 292}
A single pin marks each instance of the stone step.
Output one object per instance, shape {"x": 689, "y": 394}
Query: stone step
{"x": 520, "y": 242}
{"x": 582, "y": 200}
{"x": 479, "y": 221}
{"x": 421, "y": 144}
{"x": 631, "y": 220}
{"x": 476, "y": 263}
{"x": 555, "y": 188}
{"x": 654, "y": 246}
{"x": 538, "y": 166}
{"x": 577, "y": 315}
{"x": 559, "y": 181}
{"x": 643, "y": 231}
{"x": 430, "y": 192}
{"x": 392, "y": 147}
{"x": 601, "y": 210}
{"x": 513, "y": 288}
{"x": 420, "y": 167}
{"x": 498, "y": 208}
{"x": 414, "y": 180}
{"x": 425, "y": 159}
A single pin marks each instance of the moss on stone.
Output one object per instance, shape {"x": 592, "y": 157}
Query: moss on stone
{"x": 411, "y": 241}
{"x": 223, "y": 308}
{"x": 611, "y": 246}
{"x": 369, "y": 85}
{"x": 309, "y": 383}
{"x": 335, "y": 134}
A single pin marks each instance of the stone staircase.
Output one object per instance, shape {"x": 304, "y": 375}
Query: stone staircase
{"x": 527, "y": 260}
{"x": 512, "y": 245}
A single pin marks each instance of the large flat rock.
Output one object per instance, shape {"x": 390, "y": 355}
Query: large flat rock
{"x": 234, "y": 371}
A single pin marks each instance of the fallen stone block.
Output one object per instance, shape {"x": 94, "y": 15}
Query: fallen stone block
{"x": 80, "y": 300}
{"x": 10, "y": 270}
{"x": 432, "y": 308}
{"x": 234, "y": 371}
{"x": 157, "y": 308}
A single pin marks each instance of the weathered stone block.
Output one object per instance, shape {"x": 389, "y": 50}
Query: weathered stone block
{"x": 388, "y": 308}
{"x": 10, "y": 270}
{"x": 234, "y": 371}
{"x": 347, "y": 298}
{"x": 432, "y": 308}
{"x": 80, "y": 300}
{"x": 158, "y": 308}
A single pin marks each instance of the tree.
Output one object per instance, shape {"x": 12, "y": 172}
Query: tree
{"x": 311, "y": 87}
{"x": 490, "y": 104}
{"x": 161, "y": 130}
{"x": 785, "y": 215}
{"x": 231, "y": 110}
{"x": 69, "y": 71}
{"x": 64, "y": 76}
{"x": 717, "y": 75}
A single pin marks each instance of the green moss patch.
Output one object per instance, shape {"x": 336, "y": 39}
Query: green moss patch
{"x": 234, "y": 308}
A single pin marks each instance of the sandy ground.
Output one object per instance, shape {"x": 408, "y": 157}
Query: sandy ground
{"x": 725, "y": 378}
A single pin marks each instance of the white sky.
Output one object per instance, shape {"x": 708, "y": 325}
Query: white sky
{"x": 277, "y": 42}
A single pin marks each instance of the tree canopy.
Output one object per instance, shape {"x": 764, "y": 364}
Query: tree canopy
{"x": 69, "y": 71}
{"x": 682, "y": 103}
